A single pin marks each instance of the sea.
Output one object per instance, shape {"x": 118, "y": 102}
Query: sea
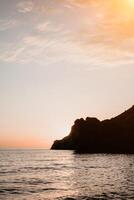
{"x": 38, "y": 174}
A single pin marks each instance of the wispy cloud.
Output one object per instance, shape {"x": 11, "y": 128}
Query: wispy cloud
{"x": 51, "y": 28}
{"x": 7, "y": 24}
{"x": 44, "y": 50}
{"x": 50, "y": 43}
{"x": 25, "y": 6}
{"x": 42, "y": 7}
{"x": 89, "y": 33}
{"x": 43, "y": 26}
{"x": 11, "y": 55}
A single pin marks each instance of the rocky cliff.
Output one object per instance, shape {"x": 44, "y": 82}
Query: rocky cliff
{"x": 91, "y": 135}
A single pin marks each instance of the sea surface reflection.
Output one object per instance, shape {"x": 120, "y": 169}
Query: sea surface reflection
{"x": 48, "y": 174}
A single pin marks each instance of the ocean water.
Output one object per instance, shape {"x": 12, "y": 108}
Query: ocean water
{"x": 51, "y": 175}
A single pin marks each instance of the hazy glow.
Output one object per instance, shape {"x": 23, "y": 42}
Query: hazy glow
{"x": 60, "y": 60}
{"x": 130, "y": 2}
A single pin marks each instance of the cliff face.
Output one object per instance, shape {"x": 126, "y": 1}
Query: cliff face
{"x": 93, "y": 136}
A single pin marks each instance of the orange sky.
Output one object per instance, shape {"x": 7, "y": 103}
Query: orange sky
{"x": 62, "y": 60}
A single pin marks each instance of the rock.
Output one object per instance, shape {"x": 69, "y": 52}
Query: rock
{"x": 115, "y": 135}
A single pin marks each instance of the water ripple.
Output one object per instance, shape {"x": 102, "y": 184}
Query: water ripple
{"x": 62, "y": 175}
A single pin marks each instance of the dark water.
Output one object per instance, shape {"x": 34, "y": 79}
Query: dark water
{"x": 45, "y": 174}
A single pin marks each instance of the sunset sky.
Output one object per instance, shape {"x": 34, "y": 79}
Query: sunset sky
{"x": 61, "y": 60}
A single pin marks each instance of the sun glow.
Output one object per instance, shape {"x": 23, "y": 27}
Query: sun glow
{"x": 125, "y": 8}
{"x": 126, "y": 4}
{"x": 130, "y": 2}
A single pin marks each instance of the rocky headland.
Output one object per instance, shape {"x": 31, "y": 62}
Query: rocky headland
{"x": 91, "y": 135}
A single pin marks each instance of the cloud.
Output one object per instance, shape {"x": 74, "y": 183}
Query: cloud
{"x": 33, "y": 41}
{"x": 106, "y": 25}
{"x": 49, "y": 27}
{"x": 6, "y": 24}
{"x": 40, "y": 46}
{"x": 11, "y": 55}
{"x": 25, "y": 6}
{"x": 32, "y": 48}
{"x": 44, "y": 50}
{"x": 84, "y": 3}
{"x": 91, "y": 33}
{"x": 43, "y": 26}
{"x": 38, "y": 7}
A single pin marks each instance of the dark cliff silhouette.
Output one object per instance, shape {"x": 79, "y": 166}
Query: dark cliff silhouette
{"x": 115, "y": 135}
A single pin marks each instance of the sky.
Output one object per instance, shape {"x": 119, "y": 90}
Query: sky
{"x": 61, "y": 60}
